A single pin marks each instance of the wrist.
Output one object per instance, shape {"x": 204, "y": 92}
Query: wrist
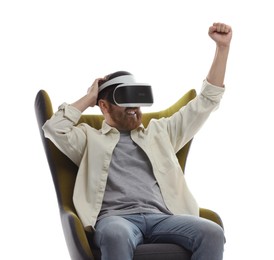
{"x": 91, "y": 100}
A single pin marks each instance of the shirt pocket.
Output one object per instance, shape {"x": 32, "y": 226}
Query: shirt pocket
{"x": 163, "y": 153}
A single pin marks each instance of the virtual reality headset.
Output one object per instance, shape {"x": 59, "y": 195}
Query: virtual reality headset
{"x": 129, "y": 93}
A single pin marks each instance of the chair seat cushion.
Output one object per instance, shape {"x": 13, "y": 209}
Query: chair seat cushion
{"x": 154, "y": 252}
{"x": 161, "y": 252}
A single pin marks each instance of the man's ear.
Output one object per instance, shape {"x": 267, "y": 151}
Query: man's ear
{"x": 103, "y": 105}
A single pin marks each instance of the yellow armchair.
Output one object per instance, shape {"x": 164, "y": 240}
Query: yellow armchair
{"x": 64, "y": 172}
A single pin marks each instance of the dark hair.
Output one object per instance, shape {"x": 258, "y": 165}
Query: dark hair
{"x": 107, "y": 92}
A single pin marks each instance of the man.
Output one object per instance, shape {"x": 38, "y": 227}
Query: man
{"x": 130, "y": 188}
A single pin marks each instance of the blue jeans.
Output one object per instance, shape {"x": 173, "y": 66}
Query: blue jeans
{"x": 120, "y": 235}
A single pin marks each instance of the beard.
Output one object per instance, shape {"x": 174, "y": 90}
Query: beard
{"x": 125, "y": 119}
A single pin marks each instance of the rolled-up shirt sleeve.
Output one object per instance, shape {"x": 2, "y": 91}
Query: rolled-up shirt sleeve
{"x": 212, "y": 92}
{"x": 183, "y": 125}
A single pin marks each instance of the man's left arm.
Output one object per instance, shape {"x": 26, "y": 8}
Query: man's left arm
{"x": 220, "y": 33}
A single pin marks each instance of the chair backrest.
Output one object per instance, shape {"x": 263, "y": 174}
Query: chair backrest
{"x": 63, "y": 170}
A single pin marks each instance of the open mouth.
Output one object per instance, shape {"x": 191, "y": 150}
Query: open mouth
{"x": 131, "y": 112}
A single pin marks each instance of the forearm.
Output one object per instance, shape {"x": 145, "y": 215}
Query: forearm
{"x": 83, "y": 103}
{"x": 90, "y": 99}
{"x": 216, "y": 74}
{"x": 221, "y": 34}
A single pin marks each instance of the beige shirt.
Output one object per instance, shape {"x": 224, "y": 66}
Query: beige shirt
{"x": 92, "y": 149}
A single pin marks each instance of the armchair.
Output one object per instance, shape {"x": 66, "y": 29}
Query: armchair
{"x": 64, "y": 172}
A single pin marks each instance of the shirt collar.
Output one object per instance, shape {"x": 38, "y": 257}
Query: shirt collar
{"x": 106, "y": 128}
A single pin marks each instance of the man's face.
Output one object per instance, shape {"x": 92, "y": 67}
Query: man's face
{"x": 124, "y": 118}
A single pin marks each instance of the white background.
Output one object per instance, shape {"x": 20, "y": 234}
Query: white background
{"x": 63, "y": 45}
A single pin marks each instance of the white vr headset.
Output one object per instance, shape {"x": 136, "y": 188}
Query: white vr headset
{"x": 128, "y": 93}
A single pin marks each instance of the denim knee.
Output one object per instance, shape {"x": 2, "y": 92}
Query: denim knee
{"x": 112, "y": 230}
{"x": 116, "y": 237}
{"x": 213, "y": 232}
{"x": 210, "y": 242}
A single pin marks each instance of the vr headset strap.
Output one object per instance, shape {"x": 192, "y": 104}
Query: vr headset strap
{"x": 126, "y": 79}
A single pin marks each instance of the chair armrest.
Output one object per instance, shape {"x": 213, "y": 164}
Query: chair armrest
{"x": 76, "y": 239}
{"x": 211, "y": 215}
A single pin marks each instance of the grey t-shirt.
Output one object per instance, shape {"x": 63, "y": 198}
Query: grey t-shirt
{"x": 131, "y": 186}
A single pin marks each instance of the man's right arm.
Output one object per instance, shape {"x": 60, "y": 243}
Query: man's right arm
{"x": 90, "y": 99}
{"x": 61, "y": 128}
